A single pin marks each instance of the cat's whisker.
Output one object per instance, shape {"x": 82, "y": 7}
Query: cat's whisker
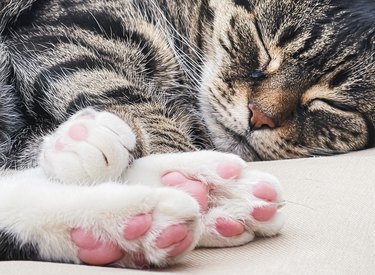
{"x": 299, "y": 204}
{"x": 186, "y": 42}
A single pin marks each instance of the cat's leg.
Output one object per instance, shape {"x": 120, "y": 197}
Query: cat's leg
{"x": 106, "y": 224}
{"x": 95, "y": 146}
{"x": 11, "y": 119}
{"x": 236, "y": 202}
{"x": 251, "y": 198}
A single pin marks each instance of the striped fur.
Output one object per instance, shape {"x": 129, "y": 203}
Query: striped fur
{"x": 182, "y": 74}
{"x": 316, "y": 64}
{"x": 99, "y": 59}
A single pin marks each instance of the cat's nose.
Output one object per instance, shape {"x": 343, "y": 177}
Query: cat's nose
{"x": 258, "y": 118}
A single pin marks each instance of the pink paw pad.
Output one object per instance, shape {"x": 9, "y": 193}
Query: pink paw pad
{"x": 267, "y": 193}
{"x": 78, "y": 132}
{"x": 94, "y": 252}
{"x": 229, "y": 170}
{"x": 196, "y": 189}
{"x": 176, "y": 236}
{"x": 229, "y": 228}
{"x": 137, "y": 226}
{"x": 263, "y": 214}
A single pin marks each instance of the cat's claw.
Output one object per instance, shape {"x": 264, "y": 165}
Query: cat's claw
{"x": 236, "y": 202}
{"x": 90, "y": 147}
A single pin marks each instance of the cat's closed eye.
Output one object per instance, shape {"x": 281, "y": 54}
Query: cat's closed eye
{"x": 306, "y": 78}
{"x": 317, "y": 103}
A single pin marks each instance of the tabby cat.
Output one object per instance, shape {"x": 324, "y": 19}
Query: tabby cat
{"x": 171, "y": 98}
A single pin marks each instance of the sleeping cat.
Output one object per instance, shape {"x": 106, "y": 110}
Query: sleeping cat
{"x": 131, "y": 120}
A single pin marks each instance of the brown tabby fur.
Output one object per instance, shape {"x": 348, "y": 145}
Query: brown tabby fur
{"x": 183, "y": 73}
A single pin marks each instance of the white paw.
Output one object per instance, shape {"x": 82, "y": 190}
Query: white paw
{"x": 154, "y": 227}
{"x": 236, "y": 202}
{"x": 90, "y": 147}
{"x": 106, "y": 224}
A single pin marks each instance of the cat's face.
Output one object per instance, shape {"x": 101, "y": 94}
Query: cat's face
{"x": 285, "y": 79}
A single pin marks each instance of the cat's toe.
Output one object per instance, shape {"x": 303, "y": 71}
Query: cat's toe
{"x": 268, "y": 199}
{"x": 176, "y": 238}
{"x": 137, "y": 226}
{"x": 229, "y": 228}
{"x": 93, "y": 251}
{"x": 90, "y": 147}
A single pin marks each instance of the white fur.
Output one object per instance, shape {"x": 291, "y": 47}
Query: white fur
{"x": 230, "y": 199}
{"x": 42, "y": 208}
{"x": 39, "y": 211}
{"x": 103, "y": 156}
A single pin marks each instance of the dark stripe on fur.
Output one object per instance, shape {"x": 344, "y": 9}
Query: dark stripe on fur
{"x": 370, "y": 133}
{"x": 11, "y": 249}
{"x": 111, "y": 27}
{"x": 207, "y": 16}
{"x": 315, "y": 34}
{"x": 243, "y": 3}
{"x": 288, "y": 35}
{"x": 60, "y": 71}
{"x": 121, "y": 95}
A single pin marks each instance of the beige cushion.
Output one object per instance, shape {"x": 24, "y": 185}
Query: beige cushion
{"x": 330, "y": 227}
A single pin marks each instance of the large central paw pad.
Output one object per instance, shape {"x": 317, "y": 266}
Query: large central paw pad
{"x": 95, "y": 252}
{"x": 90, "y": 147}
{"x": 195, "y": 188}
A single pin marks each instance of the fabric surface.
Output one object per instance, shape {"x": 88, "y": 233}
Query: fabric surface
{"x": 330, "y": 227}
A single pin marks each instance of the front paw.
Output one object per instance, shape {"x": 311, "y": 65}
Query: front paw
{"x": 107, "y": 224}
{"x": 136, "y": 227}
{"x": 236, "y": 202}
{"x": 90, "y": 147}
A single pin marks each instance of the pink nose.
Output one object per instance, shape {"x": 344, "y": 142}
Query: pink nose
{"x": 259, "y": 118}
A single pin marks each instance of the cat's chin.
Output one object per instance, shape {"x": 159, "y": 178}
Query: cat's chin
{"x": 241, "y": 148}
{"x": 227, "y": 140}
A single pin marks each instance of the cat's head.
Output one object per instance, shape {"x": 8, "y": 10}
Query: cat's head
{"x": 285, "y": 78}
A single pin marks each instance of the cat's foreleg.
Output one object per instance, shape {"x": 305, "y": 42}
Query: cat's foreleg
{"x": 96, "y": 146}
{"x": 116, "y": 224}
{"x": 236, "y": 202}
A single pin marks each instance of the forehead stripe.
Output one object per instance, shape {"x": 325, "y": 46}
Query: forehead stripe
{"x": 243, "y": 3}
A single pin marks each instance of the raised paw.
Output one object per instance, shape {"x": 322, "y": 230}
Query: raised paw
{"x": 90, "y": 147}
{"x": 236, "y": 202}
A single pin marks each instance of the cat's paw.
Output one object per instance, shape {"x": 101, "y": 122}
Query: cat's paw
{"x": 236, "y": 202}
{"x": 161, "y": 228}
{"x": 121, "y": 226}
{"x": 90, "y": 147}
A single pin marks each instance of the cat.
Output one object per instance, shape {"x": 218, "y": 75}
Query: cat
{"x": 126, "y": 125}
